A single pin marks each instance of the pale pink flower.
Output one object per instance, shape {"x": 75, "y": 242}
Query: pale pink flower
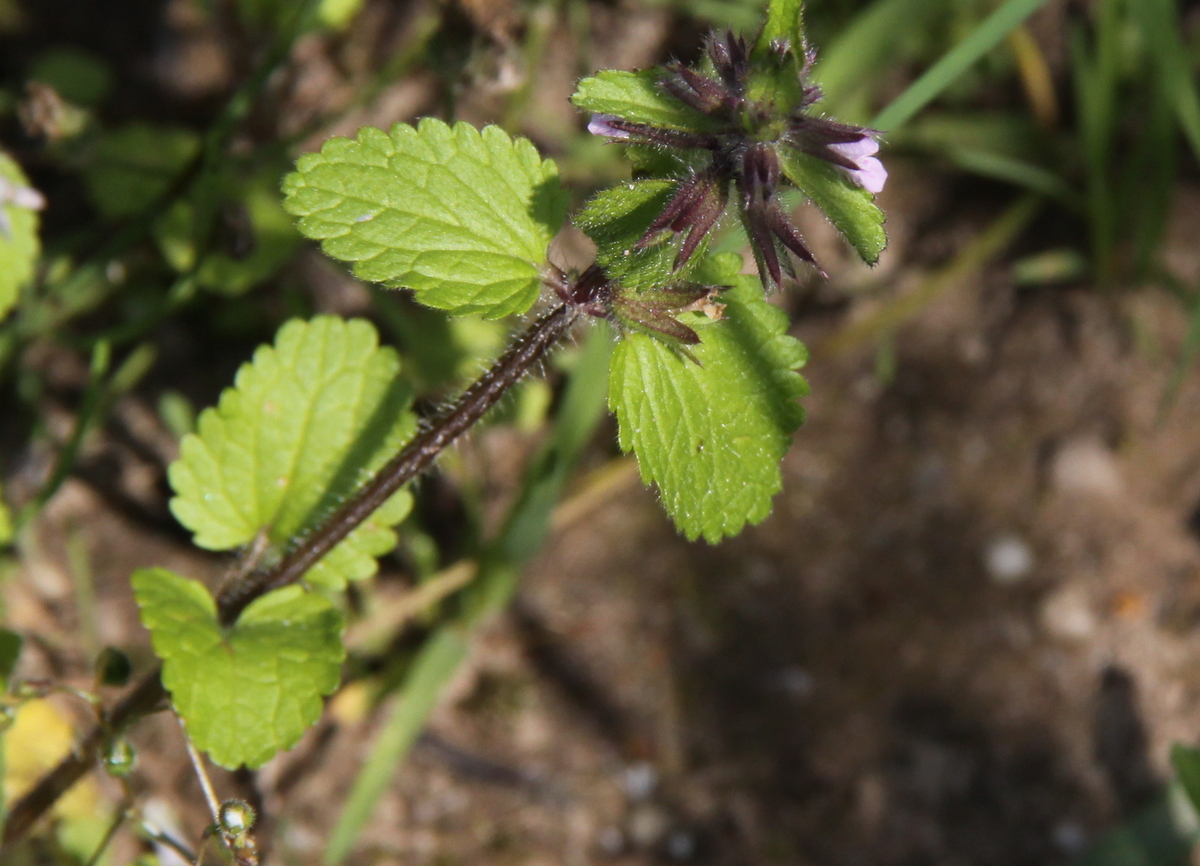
{"x": 870, "y": 173}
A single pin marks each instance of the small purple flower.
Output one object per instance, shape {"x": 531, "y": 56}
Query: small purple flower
{"x": 745, "y": 139}
{"x": 850, "y": 148}
{"x": 602, "y": 124}
{"x": 869, "y": 172}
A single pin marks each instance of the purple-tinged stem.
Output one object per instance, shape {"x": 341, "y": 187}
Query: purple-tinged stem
{"x": 412, "y": 460}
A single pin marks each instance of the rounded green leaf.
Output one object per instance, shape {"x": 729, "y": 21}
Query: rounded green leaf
{"x": 710, "y": 433}
{"x": 462, "y": 217}
{"x": 250, "y": 691}
{"x": 307, "y": 421}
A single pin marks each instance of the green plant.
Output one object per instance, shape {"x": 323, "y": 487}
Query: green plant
{"x": 303, "y": 466}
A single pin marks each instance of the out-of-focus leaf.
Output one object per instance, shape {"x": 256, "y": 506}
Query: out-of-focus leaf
{"x": 939, "y": 77}
{"x": 19, "y": 242}
{"x": 10, "y": 649}
{"x": 76, "y": 75}
{"x": 132, "y": 166}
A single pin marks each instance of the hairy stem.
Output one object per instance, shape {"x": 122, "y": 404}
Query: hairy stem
{"x": 413, "y": 459}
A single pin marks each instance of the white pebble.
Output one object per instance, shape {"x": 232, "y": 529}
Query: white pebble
{"x": 681, "y": 845}
{"x": 797, "y": 682}
{"x": 1085, "y": 466}
{"x": 1066, "y": 614}
{"x": 639, "y": 780}
{"x": 1070, "y": 837}
{"x": 1008, "y": 559}
{"x": 611, "y": 841}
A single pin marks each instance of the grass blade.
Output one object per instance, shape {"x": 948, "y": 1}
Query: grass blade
{"x": 1187, "y": 354}
{"x": 961, "y": 57}
{"x": 582, "y": 408}
{"x": 1095, "y": 78}
{"x": 867, "y": 45}
{"x": 1163, "y": 30}
{"x": 433, "y": 667}
{"x": 998, "y": 166}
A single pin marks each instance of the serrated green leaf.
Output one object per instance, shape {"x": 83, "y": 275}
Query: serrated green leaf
{"x": 848, "y": 206}
{"x": 307, "y": 421}
{"x": 636, "y": 96}
{"x": 711, "y": 434}
{"x": 19, "y": 244}
{"x": 461, "y": 217}
{"x": 617, "y": 218}
{"x": 649, "y": 161}
{"x": 249, "y": 691}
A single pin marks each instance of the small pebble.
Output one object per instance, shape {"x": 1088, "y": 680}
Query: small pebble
{"x": 1067, "y": 615}
{"x": 639, "y": 781}
{"x": 681, "y": 845}
{"x": 611, "y": 841}
{"x": 1085, "y": 466}
{"x": 647, "y": 825}
{"x": 797, "y": 682}
{"x": 1070, "y": 837}
{"x": 1008, "y": 559}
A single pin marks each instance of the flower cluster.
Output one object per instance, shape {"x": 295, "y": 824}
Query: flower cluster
{"x": 747, "y": 130}
{"x": 652, "y": 311}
